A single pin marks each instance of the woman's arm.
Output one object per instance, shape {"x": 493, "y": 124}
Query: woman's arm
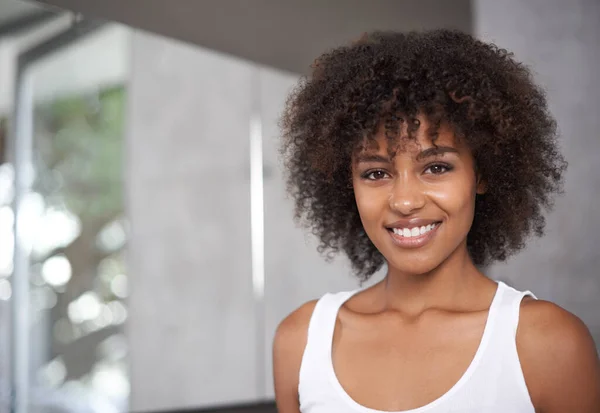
{"x": 559, "y": 359}
{"x": 288, "y": 348}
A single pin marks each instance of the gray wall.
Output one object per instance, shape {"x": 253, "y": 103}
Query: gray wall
{"x": 191, "y": 303}
{"x": 198, "y": 337}
{"x": 559, "y": 41}
{"x": 295, "y": 272}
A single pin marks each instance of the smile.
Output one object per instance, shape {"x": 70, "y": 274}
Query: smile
{"x": 413, "y": 237}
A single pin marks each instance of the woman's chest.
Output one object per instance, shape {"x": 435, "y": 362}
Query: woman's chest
{"x": 399, "y": 366}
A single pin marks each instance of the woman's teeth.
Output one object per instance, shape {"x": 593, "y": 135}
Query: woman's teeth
{"x": 413, "y": 232}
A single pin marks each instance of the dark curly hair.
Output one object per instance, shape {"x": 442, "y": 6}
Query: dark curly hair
{"x": 479, "y": 90}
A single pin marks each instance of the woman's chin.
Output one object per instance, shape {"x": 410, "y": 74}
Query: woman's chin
{"x": 414, "y": 266}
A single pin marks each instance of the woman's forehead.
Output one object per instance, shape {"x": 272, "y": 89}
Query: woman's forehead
{"x": 418, "y": 140}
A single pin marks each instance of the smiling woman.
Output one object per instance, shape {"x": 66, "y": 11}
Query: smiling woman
{"x": 433, "y": 154}
{"x": 420, "y": 198}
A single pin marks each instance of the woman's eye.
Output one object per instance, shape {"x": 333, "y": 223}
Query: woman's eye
{"x": 437, "y": 169}
{"x": 375, "y": 175}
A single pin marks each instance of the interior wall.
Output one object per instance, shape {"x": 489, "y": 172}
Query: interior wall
{"x": 199, "y": 335}
{"x": 559, "y": 41}
{"x": 191, "y": 328}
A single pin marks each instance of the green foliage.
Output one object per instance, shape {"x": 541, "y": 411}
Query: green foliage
{"x": 79, "y": 142}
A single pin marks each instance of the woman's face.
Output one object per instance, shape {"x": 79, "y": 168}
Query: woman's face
{"x": 416, "y": 207}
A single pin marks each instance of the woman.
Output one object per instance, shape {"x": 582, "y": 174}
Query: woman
{"x": 434, "y": 154}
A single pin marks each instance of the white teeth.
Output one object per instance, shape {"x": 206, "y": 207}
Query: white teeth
{"x": 414, "y": 232}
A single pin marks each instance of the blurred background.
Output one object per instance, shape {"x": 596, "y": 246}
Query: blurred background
{"x": 147, "y": 248}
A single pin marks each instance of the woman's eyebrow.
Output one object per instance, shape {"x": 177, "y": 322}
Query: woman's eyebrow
{"x": 427, "y": 153}
{"x": 436, "y": 151}
{"x": 367, "y": 157}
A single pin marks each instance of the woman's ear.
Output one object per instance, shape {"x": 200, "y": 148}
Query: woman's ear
{"x": 481, "y": 187}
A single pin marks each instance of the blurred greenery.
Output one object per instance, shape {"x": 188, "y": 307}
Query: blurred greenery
{"x": 78, "y": 158}
{"x": 79, "y": 167}
{"x": 81, "y": 157}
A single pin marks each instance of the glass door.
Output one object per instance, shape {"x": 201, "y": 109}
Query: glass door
{"x": 63, "y": 223}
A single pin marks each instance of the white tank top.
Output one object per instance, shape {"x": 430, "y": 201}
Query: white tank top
{"x": 492, "y": 383}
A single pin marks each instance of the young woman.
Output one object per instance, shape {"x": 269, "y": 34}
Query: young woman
{"x": 434, "y": 154}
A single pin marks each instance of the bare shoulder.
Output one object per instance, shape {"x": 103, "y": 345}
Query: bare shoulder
{"x": 292, "y": 331}
{"x": 558, "y": 357}
{"x": 541, "y": 319}
{"x": 288, "y": 349}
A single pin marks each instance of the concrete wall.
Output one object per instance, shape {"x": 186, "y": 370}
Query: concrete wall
{"x": 198, "y": 337}
{"x": 559, "y": 41}
{"x": 191, "y": 326}
{"x": 295, "y": 272}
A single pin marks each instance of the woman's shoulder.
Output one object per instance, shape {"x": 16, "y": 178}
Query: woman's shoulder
{"x": 288, "y": 349}
{"x": 295, "y": 325}
{"x": 557, "y": 354}
{"x": 292, "y": 333}
{"x": 547, "y": 327}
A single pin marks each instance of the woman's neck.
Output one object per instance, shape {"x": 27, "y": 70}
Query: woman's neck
{"x": 454, "y": 285}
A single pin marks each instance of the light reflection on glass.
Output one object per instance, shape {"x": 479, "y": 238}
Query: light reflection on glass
{"x": 54, "y": 373}
{"x": 56, "y": 270}
{"x": 112, "y": 237}
{"x": 119, "y": 312}
{"x": 6, "y": 240}
{"x": 119, "y": 286}
{"x": 57, "y": 228}
{"x": 85, "y": 308}
{"x": 7, "y": 175}
{"x": 5, "y": 290}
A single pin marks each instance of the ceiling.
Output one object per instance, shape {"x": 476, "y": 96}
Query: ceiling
{"x": 287, "y": 34}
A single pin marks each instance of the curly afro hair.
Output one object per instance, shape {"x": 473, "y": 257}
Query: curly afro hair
{"x": 484, "y": 95}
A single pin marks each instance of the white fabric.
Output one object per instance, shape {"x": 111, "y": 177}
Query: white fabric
{"x": 492, "y": 383}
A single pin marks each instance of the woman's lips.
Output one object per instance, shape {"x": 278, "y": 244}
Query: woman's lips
{"x": 414, "y": 237}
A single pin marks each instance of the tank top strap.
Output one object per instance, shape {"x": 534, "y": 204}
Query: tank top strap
{"x": 508, "y": 317}
{"x": 320, "y": 330}
{"x": 502, "y": 358}
{"x": 322, "y": 322}
{"x": 493, "y": 379}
